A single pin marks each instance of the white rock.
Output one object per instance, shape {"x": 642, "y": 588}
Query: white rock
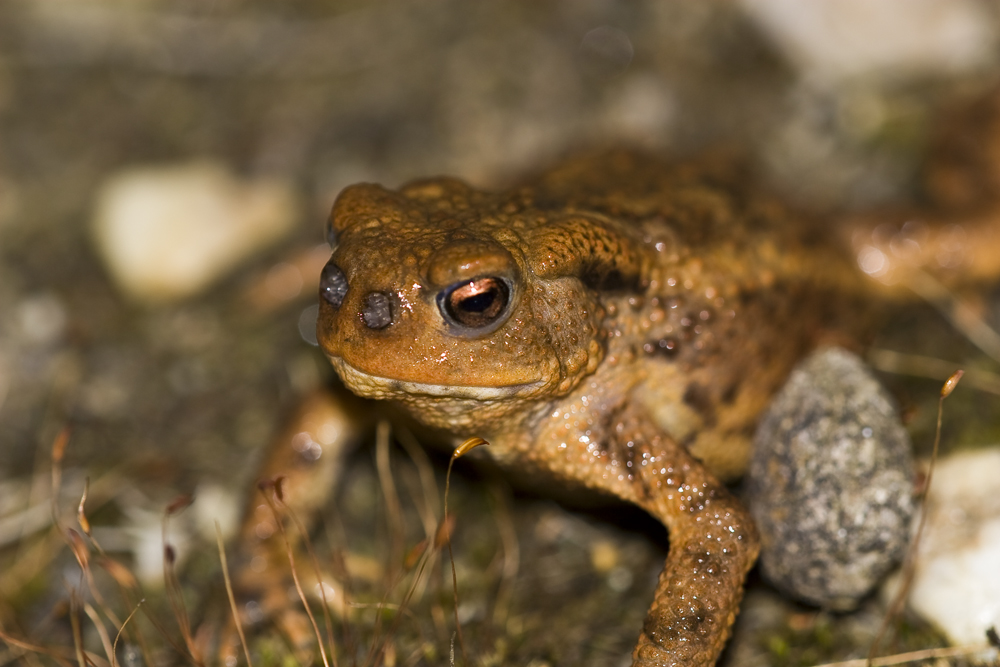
{"x": 215, "y": 503}
{"x": 141, "y": 536}
{"x": 835, "y": 39}
{"x": 42, "y": 317}
{"x": 642, "y": 111}
{"x": 166, "y": 233}
{"x": 957, "y": 579}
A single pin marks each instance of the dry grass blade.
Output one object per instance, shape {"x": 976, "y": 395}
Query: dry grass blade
{"x": 909, "y": 565}
{"x": 179, "y": 504}
{"x": 16, "y": 525}
{"x": 59, "y": 446}
{"x": 426, "y": 472}
{"x": 912, "y": 656}
{"x": 229, "y": 592}
{"x": 74, "y": 620}
{"x": 398, "y": 564}
{"x": 102, "y": 632}
{"x": 58, "y": 452}
{"x": 81, "y": 515}
{"x": 333, "y": 528}
{"x": 430, "y": 526}
{"x": 414, "y": 555}
{"x": 917, "y": 365}
{"x": 949, "y": 386}
{"x": 427, "y": 499}
{"x": 467, "y": 447}
{"x": 30, "y": 560}
{"x": 511, "y": 553}
{"x": 273, "y": 499}
{"x": 961, "y": 315}
{"x": 126, "y": 582}
{"x": 394, "y": 510}
{"x": 59, "y": 655}
{"x": 420, "y": 557}
{"x": 114, "y": 647}
{"x": 122, "y": 576}
{"x": 341, "y": 572}
{"x": 163, "y": 633}
{"x": 79, "y": 549}
{"x": 460, "y": 451}
{"x": 82, "y": 555}
{"x": 314, "y": 561}
{"x": 175, "y": 594}
{"x": 378, "y": 641}
{"x": 401, "y": 609}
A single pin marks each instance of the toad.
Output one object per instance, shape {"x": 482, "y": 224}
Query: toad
{"x": 617, "y": 323}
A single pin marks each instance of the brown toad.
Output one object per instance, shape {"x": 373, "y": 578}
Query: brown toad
{"x": 618, "y": 323}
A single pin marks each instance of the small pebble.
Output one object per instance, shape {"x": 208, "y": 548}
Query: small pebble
{"x": 42, "y": 318}
{"x": 830, "y": 483}
{"x": 167, "y": 233}
{"x": 215, "y": 504}
{"x": 604, "y": 556}
{"x": 956, "y": 584}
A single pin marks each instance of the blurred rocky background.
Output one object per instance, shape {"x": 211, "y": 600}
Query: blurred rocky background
{"x": 165, "y": 170}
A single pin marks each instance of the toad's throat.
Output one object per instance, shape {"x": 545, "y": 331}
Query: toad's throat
{"x": 374, "y": 386}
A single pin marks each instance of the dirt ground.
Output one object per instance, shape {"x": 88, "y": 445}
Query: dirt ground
{"x": 163, "y": 400}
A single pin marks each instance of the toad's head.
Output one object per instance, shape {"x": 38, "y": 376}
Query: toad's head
{"x": 467, "y": 307}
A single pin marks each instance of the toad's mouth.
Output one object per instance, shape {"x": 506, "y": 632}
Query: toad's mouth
{"x": 374, "y": 386}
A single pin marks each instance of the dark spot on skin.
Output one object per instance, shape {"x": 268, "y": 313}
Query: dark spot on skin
{"x": 666, "y": 347}
{"x": 730, "y": 392}
{"x": 704, "y": 561}
{"x": 698, "y": 397}
{"x": 627, "y": 453}
{"x": 687, "y": 624}
{"x": 614, "y": 281}
{"x": 608, "y": 281}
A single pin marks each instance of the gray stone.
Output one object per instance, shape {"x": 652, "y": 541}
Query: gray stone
{"x": 830, "y": 483}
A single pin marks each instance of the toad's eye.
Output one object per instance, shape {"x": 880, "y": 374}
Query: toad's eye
{"x": 333, "y": 284}
{"x": 476, "y": 304}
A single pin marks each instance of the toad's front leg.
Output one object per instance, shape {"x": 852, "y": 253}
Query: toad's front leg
{"x": 713, "y": 544}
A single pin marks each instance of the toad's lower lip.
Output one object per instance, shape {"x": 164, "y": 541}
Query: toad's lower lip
{"x": 374, "y": 386}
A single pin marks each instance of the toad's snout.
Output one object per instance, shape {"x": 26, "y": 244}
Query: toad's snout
{"x": 376, "y": 312}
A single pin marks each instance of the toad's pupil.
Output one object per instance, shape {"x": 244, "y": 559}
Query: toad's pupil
{"x": 477, "y": 303}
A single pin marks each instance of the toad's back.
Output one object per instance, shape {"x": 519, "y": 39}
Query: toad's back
{"x": 735, "y": 290}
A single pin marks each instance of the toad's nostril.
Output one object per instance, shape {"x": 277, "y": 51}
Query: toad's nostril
{"x": 377, "y": 313}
